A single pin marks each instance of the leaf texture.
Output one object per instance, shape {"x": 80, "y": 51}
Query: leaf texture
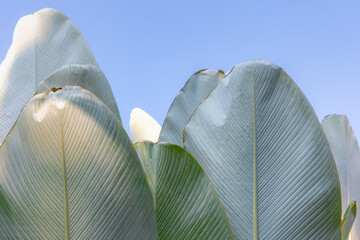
{"x": 143, "y": 127}
{"x": 68, "y": 171}
{"x": 196, "y": 89}
{"x": 346, "y": 153}
{"x": 86, "y": 76}
{"x": 258, "y": 139}
{"x": 186, "y": 204}
{"x": 42, "y": 43}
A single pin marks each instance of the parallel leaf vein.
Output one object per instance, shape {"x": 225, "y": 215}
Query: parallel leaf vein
{"x": 255, "y": 178}
{"x": 65, "y": 181}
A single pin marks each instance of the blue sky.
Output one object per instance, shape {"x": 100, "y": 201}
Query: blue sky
{"x": 148, "y": 49}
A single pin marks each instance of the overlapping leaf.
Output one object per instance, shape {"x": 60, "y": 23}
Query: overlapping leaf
{"x": 68, "y": 171}
{"x": 196, "y": 89}
{"x": 42, "y": 43}
{"x": 186, "y": 204}
{"x": 347, "y": 158}
{"x": 87, "y": 76}
{"x": 258, "y": 139}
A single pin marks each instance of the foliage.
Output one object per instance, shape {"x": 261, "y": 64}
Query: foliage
{"x": 239, "y": 156}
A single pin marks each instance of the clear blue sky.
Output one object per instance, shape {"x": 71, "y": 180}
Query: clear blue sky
{"x": 148, "y": 49}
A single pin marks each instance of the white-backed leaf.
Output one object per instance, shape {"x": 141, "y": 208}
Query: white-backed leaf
{"x": 186, "y": 204}
{"x": 196, "y": 89}
{"x": 86, "y": 76}
{"x": 68, "y": 171}
{"x": 348, "y": 220}
{"x": 258, "y": 139}
{"x": 346, "y": 153}
{"x": 42, "y": 43}
{"x": 143, "y": 127}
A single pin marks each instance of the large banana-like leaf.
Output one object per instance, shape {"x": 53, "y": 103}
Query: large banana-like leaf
{"x": 68, "y": 171}
{"x": 87, "y": 76}
{"x": 186, "y": 204}
{"x": 42, "y": 43}
{"x": 258, "y": 139}
{"x": 346, "y": 153}
{"x": 143, "y": 127}
{"x": 196, "y": 89}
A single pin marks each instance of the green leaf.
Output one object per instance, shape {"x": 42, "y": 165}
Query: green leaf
{"x": 87, "y": 76}
{"x": 196, "y": 89}
{"x": 258, "y": 139}
{"x": 71, "y": 172}
{"x": 42, "y": 43}
{"x": 186, "y": 204}
{"x": 4, "y": 204}
{"x": 346, "y": 153}
{"x": 348, "y": 221}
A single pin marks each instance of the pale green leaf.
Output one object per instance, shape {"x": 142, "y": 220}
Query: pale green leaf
{"x": 143, "y": 127}
{"x": 346, "y": 153}
{"x": 186, "y": 204}
{"x": 42, "y": 43}
{"x": 196, "y": 89}
{"x": 347, "y": 222}
{"x": 68, "y": 171}
{"x": 258, "y": 139}
{"x": 86, "y": 76}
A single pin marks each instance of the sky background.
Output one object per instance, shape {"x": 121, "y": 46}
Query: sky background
{"x": 148, "y": 49}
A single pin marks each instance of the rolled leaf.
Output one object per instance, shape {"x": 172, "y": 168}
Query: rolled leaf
{"x": 196, "y": 89}
{"x": 68, "y": 171}
{"x": 143, "y": 127}
{"x": 347, "y": 222}
{"x": 258, "y": 139}
{"x": 346, "y": 153}
{"x": 186, "y": 204}
{"x": 42, "y": 43}
{"x": 86, "y": 76}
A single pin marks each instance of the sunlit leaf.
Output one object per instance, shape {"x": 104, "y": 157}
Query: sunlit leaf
{"x": 68, "y": 171}
{"x": 143, "y": 127}
{"x": 42, "y": 43}
{"x": 86, "y": 76}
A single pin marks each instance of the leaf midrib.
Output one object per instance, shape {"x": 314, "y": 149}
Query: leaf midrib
{"x": 255, "y": 176}
{"x": 65, "y": 182}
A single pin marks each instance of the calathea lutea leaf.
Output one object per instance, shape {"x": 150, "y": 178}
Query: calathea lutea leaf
{"x": 42, "y": 43}
{"x": 186, "y": 204}
{"x": 346, "y": 153}
{"x": 196, "y": 89}
{"x": 68, "y": 171}
{"x": 87, "y": 76}
{"x": 258, "y": 139}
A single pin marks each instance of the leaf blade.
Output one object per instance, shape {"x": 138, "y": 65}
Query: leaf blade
{"x": 345, "y": 149}
{"x": 196, "y": 89}
{"x": 186, "y": 204}
{"x": 108, "y": 196}
{"x": 253, "y": 127}
{"x": 42, "y": 43}
{"x": 87, "y": 76}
